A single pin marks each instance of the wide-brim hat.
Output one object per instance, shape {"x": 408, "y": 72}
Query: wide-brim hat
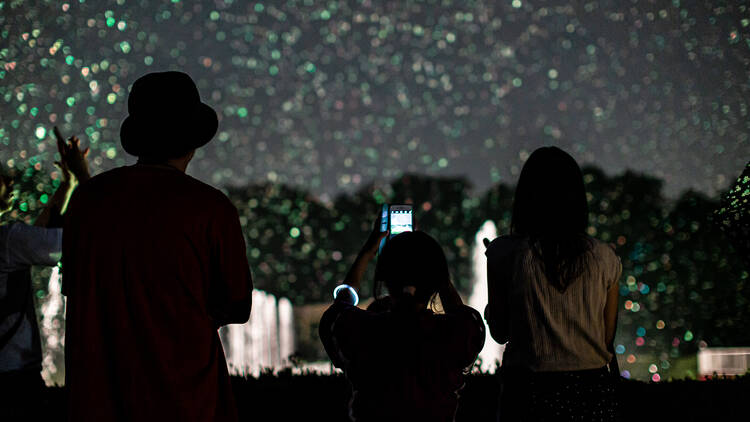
{"x": 166, "y": 117}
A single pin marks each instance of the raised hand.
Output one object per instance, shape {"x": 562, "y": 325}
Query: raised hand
{"x": 6, "y": 194}
{"x": 67, "y": 176}
{"x": 71, "y": 156}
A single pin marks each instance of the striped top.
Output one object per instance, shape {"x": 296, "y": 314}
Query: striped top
{"x": 551, "y": 330}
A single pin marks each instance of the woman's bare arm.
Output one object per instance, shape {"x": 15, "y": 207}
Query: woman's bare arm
{"x": 366, "y": 254}
{"x": 497, "y": 313}
{"x": 610, "y": 313}
{"x": 610, "y": 321}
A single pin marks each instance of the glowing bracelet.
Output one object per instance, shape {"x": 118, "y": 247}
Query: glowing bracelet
{"x": 351, "y": 291}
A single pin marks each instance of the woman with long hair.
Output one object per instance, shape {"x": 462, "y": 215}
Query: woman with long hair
{"x": 553, "y": 293}
{"x": 405, "y": 362}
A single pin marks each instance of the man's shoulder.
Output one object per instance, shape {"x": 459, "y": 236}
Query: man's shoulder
{"x": 108, "y": 180}
{"x": 205, "y": 188}
{"x": 210, "y": 195}
{"x": 103, "y": 180}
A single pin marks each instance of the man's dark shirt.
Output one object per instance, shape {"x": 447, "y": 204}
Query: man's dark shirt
{"x": 153, "y": 263}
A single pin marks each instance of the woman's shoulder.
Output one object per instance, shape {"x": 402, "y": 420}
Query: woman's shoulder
{"x": 603, "y": 249}
{"x": 606, "y": 259}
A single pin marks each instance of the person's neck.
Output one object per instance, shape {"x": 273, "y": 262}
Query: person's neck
{"x": 409, "y": 303}
{"x": 175, "y": 163}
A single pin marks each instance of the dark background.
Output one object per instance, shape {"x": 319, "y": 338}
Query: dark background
{"x": 331, "y": 96}
{"x": 328, "y": 109}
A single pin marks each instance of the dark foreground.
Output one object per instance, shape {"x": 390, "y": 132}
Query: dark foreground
{"x": 287, "y": 397}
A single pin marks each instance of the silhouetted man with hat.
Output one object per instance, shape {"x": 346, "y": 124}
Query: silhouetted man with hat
{"x": 154, "y": 264}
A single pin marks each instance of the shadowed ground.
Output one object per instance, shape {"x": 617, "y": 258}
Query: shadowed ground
{"x": 287, "y": 397}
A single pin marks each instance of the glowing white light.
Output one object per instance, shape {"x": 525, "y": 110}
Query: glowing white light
{"x": 265, "y": 341}
{"x": 492, "y": 353}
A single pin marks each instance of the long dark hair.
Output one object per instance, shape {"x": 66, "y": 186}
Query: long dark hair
{"x": 412, "y": 259}
{"x": 550, "y": 208}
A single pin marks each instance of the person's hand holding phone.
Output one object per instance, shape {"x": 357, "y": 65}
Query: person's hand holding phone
{"x": 370, "y": 248}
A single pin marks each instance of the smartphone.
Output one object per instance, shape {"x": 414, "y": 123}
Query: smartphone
{"x": 400, "y": 219}
{"x": 383, "y": 225}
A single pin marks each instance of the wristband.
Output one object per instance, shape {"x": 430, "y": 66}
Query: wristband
{"x": 352, "y": 292}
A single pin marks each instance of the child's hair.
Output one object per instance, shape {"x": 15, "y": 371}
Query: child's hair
{"x": 413, "y": 259}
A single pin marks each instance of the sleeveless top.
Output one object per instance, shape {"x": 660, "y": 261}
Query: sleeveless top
{"x": 551, "y": 330}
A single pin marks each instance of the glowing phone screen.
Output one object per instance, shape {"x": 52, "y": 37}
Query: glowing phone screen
{"x": 400, "y": 221}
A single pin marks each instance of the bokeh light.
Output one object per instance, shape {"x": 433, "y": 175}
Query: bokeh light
{"x": 332, "y": 96}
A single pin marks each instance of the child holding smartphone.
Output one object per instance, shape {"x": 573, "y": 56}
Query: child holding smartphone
{"x": 404, "y": 362}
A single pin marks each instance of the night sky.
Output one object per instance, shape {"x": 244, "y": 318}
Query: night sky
{"x": 333, "y": 95}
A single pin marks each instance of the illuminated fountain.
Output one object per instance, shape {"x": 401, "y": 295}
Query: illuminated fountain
{"x": 492, "y": 352}
{"x": 286, "y": 329}
{"x": 52, "y": 327}
{"x": 265, "y": 341}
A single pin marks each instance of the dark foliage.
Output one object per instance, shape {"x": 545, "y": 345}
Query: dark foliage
{"x": 683, "y": 282}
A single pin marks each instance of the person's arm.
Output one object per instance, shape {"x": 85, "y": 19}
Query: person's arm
{"x": 610, "y": 318}
{"x": 467, "y": 338}
{"x": 231, "y": 284}
{"x": 72, "y": 156}
{"x": 610, "y": 313}
{"x": 356, "y": 272}
{"x": 73, "y": 168}
{"x": 340, "y": 324}
{"x": 32, "y": 245}
{"x": 7, "y": 196}
{"x": 51, "y": 215}
{"x": 72, "y": 226}
{"x": 497, "y": 312}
